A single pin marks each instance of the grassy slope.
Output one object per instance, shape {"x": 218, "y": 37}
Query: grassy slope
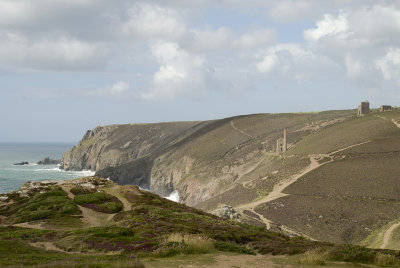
{"x": 145, "y": 231}
{"x": 232, "y": 161}
{"x": 224, "y": 155}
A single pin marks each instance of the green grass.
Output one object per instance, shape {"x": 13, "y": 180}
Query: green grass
{"x": 394, "y": 241}
{"x": 12, "y": 232}
{"x": 154, "y": 228}
{"x": 99, "y": 201}
{"x": 79, "y": 190}
{"x": 232, "y": 247}
{"x": 16, "y": 253}
{"x": 53, "y": 204}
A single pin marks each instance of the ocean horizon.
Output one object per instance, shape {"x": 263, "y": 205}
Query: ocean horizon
{"x": 13, "y": 176}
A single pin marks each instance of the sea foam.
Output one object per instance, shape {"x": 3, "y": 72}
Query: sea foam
{"x": 174, "y": 196}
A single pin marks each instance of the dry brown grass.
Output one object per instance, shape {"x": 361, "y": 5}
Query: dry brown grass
{"x": 314, "y": 257}
{"x": 194, "y": 240}
{"x": 382, "y": 259}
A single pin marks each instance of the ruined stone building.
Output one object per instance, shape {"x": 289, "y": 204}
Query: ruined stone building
{"x": 385, "y": 108}
{"x": 281, "y": 143}
{"x": 363, "y": 108}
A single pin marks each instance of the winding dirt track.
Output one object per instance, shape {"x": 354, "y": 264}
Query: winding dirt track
{"x": 277, "y": 191}
{"x": 241, "y": 131}
{"x": 396, "y": 123}
{"x": 388, "y": 235}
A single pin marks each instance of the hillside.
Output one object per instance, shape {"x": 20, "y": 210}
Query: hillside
{"x": 94, "y": 222}
{"x": 337, "y": 181}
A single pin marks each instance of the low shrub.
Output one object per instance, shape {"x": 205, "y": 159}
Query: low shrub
{"x": 232, "y": 247}
{"x": 100, "y": 202}
{"x": 352, "y": 253}
{"x": 49, "y": 205}
{"x": 79, "y": 190}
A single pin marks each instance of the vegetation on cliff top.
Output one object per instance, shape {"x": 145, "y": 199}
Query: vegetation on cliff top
{"x": 154, "y": 227}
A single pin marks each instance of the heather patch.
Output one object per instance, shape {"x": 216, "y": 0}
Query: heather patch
{"x": 99, "y": 201}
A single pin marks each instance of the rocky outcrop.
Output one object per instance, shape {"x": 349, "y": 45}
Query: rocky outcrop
{"x": 48, "y": 161}
{"x": 227, "y": 212}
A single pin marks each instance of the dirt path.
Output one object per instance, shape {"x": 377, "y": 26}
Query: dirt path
{"x": 37, "y": 226}
{"x": 116, "y": 191}
{"x": 47, "y": 246}
{"x": 241, "y": 131}
{"x": 221, "y": 260}
{"x": 278, "y": 188}
{"x": 348, "y": 147}
{"x": 396, "y": 123}
{"x": 90, "y": 217}
{"x": 277, "y": 191}
{"x": 388, "y": 234}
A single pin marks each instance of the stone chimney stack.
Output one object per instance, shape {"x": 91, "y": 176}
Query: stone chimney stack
{"x": 281, "y": 143}
{"x": 284, "y": 140}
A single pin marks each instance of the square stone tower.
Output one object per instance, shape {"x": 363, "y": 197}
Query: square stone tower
{"x": 385, "y": 108}
{"x": 363, "y": 108}
{"x": 281, "y": 144}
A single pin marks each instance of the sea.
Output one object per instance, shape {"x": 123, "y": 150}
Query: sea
{"x": 12, "y": 176}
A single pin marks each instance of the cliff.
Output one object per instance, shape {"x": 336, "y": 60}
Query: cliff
{"x": 199, "y": 159}
{"x": 114, "y": 145}
{"x": 337, "y": 168}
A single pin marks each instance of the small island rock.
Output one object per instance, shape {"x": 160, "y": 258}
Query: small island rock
{"x": 48, "y": 161}
{"x": 21, "y": 163}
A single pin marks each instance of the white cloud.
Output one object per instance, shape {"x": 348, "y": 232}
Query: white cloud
{"x": 354, "y": 67}
{"x": 364, "y": 39}
{"x": 209, "y": 40}
{"x": 259, "y": 38}
{"x": 328, "y": 26}
{"x": 154, "y": 21}
{"x": 268, "y": 63}
{"x": 58, "y": 53}
{"x": 290, "y": 61}
{"x": 292, "y": 11}
{"x": 119, "y": 88}
{"x": 180, "y": 73}
{"x": 389, "y": 65}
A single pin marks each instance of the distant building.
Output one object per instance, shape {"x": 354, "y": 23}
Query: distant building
{"x": 363, "y": 108}
{"x": 281, "y": 144}
{"x": 385, "y": 108}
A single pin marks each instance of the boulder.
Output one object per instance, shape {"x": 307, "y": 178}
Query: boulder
{"x": 226, "y": 212}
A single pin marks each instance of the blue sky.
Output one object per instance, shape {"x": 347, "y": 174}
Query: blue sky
{"x": 69, "y": 65}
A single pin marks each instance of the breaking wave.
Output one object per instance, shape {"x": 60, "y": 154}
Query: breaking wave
{"x": 82, "y": 173}
{"x": 174, "y": 196}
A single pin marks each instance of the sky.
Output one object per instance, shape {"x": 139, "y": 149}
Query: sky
{"x": 70, "y": 65}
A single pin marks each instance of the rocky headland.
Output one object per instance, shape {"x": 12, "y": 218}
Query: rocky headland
{"x": 336, "y": 182}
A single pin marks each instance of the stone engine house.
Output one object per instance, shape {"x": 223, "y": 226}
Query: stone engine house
{"x": 363, "y": 108}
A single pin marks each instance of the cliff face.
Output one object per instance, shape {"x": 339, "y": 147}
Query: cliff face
{"x": 115, "y": 145}
{"x": 201, "y": 160}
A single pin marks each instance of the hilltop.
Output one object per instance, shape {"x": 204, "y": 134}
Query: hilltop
{"x": 337, "y": 182}
{"x": 93, "y": 221}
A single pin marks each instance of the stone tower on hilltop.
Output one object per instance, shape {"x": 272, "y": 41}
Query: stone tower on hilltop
{"x": 281, "y": 144}
{"x": 363, "y": 108}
